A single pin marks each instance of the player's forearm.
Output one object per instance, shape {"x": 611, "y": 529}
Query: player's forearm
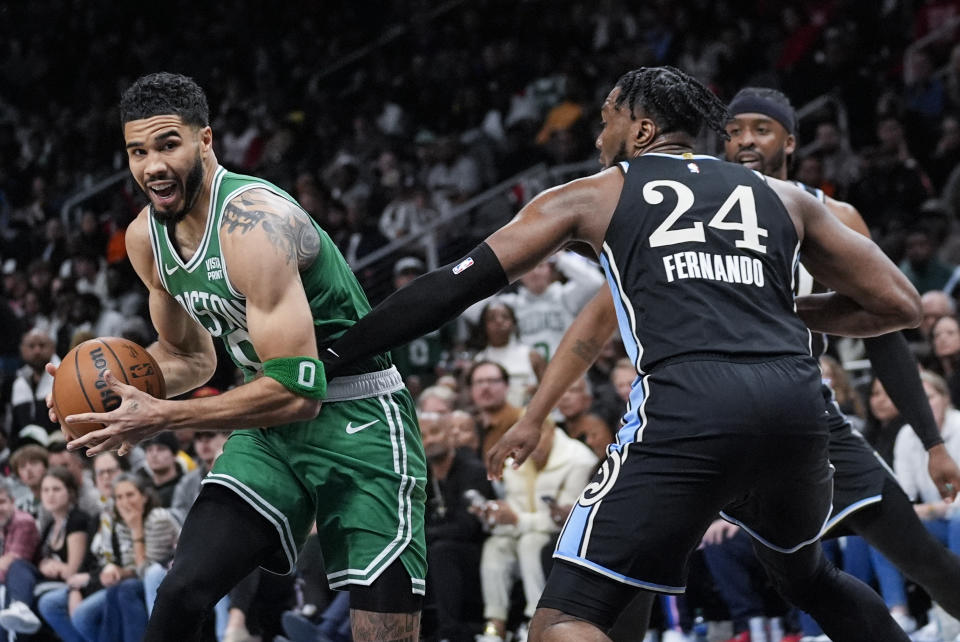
{"x": 896, "y": 368}
{"x": 834, "y": 313}
{"x": 260, "y": 403}
{"x": 424, "y": 305}
{"x": 182, "y": 371}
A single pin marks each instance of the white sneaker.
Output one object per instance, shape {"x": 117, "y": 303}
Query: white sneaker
{"x": 673, "y": 636}
{"x": 19, "y": 618}
{"x": 487, "y": 637}
{"x": 904, "y": 621}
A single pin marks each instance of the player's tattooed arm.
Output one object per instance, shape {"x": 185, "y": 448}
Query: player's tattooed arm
{"x": 385, "y": 627}
{"x": 587, "y": 349}
{"x": 287, "y": 227}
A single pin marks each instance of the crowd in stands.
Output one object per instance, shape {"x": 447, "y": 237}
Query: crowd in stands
{"x": 445, "y": 102}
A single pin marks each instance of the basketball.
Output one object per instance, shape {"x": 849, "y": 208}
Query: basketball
{"x": 79, "y": 385}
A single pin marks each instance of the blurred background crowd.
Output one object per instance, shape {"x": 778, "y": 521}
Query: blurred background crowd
{"x": 409, "y": 130}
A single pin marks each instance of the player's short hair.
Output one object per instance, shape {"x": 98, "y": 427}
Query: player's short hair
{"x": 766, "y": 101}
{"x": 165, "y": 93}
{"x": 675, "y": 100}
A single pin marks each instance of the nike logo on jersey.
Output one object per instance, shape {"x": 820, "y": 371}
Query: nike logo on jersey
{"x": 351, "y": 429}
{"x": 169, "y": 270}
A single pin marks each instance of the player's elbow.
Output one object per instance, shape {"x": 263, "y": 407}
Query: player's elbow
{"x": 306, "y": 409}
{"x": 909, "y": 309}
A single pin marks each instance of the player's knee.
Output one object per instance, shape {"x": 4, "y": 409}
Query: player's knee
{"x": 182, "y": 594}
{"x": 804, "y": 591}
{"x": 552, "y": 625}
{"x": 392, "y": 592}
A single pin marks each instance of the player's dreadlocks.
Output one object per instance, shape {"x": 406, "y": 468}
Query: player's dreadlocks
{"x": 165, "y": 93}
{"x": 674, "y": 99}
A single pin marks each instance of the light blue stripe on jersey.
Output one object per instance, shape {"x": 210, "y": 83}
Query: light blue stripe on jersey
{"x": 572, "y": 536}
{"x": 619, "y": 577}
{"x": 630, "y": 342}
{"x": 633, "y": 421}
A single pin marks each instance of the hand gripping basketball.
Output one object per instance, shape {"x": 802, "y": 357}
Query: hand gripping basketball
{"x": 135, "y": 418}
{"x": 88, "y": 391}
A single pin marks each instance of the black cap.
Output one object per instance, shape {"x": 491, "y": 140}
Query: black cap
{"x": 165, "y": 438}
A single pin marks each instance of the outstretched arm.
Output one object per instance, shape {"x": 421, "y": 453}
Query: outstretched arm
{"x": 896, "y": 368}
{"x": 579, "y": 210}
{"x": 579, "y": 348}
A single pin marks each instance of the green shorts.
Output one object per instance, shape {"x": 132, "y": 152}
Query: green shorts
{"x": 357, "y": 469}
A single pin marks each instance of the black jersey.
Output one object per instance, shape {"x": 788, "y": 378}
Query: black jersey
{"x": 700, "y": 255}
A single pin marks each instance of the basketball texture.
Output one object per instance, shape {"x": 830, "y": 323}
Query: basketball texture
{"x": 79, "y": 385}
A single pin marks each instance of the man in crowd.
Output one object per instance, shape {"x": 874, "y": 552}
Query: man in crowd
{"x": 454, "y": 536}
{"x": 30, "y": 389}
{"x": 162, "y": 467}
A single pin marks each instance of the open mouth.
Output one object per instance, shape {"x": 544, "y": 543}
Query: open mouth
{"x": 163, "y": 193}
{"x": 750, "y": 160}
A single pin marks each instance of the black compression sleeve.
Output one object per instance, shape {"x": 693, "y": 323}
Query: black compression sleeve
{"x": 424, "y": 305}
{"x": 896, "y": 368}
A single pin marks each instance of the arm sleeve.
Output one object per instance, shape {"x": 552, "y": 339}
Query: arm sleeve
{"x": 895, "y": 366}
{"x": 424, "y": 305}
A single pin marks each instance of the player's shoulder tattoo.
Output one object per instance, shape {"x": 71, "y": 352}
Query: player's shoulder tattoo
{"x": 288, "y": 228}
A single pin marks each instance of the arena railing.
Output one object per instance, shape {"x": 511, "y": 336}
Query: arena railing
{"x": 454, "y": 232}
{"x": 86, "y": 194}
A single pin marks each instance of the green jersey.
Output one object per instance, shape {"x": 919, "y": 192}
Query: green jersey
{"x": 202, "y": 284}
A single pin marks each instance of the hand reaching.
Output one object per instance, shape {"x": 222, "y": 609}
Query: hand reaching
{"x": 944, "y": 472}
{"x": 518, "y": 442}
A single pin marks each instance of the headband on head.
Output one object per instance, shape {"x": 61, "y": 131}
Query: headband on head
{"x": 745, "y": 102}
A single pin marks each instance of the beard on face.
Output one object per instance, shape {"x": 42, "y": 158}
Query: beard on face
{"x": 191, "y": 192}
{"x": 620, "y": 156}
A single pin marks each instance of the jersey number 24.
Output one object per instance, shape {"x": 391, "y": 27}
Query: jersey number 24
{"x": 741, "y": 196}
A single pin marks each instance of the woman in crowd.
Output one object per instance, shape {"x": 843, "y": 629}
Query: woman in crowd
{"x": 110, "y": 604}
{"x": 63, "y": 545}
{"x": 883, "y": 421}
{"x": 945, "y": 337}
{"x": 910, "y": 463}
{"x": 498, "y": 334}
{"x": 850, "y": 402}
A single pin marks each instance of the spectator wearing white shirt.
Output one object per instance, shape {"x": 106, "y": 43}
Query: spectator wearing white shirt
{"x": 910, "y": 464}
{"x": 544, "y": 305}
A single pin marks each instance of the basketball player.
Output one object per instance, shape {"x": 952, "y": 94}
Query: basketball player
{"x": 867, "y": 500}
{"x": 727, "y": 412}
{"x": 235, "y": 257}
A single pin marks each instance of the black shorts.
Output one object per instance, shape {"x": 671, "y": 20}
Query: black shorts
{"x": 748, "y": 439}
{"x": 860, "y": 471}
